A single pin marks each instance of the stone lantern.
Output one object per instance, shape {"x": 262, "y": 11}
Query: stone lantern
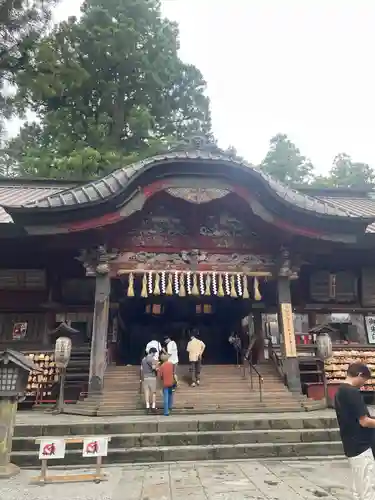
{"x": 323, "y": 352}
{"x": 14, "y": 374}
{"x": 63, "y": 350}
{"x": 323, "y": 346}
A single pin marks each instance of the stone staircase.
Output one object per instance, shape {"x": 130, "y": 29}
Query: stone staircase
{"x": 223, "y": 389}
{"x": 186, "y": 437}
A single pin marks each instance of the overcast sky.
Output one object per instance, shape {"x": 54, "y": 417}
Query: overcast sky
{"x": 302, "y": 67}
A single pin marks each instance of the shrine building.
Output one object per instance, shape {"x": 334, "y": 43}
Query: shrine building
{"x": 187, "y": 240}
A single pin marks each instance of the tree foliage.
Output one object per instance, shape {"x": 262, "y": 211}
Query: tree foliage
{"x": 346, "y": 173}
{"x": 107, "y": 89}
{"x": 285, "y": 162}
{"x": 22, "y": 22}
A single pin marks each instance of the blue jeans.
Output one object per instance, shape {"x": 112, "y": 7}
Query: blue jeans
{"x": 168, "y": 399}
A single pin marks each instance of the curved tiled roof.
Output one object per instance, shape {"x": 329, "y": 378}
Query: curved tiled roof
{"x": 115, "y": 182}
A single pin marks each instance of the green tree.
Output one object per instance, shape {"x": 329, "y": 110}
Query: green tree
{"x": 347, "y": 173}
{"x": 108, "y": 88}
{"x": 285, "y": 162}
{"x": 22, "y": 22}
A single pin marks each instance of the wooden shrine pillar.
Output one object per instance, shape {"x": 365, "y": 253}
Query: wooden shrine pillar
{"x": 98, "y": 356}
{"x": 97, "y": 263}
{"x": 286, "y": 325}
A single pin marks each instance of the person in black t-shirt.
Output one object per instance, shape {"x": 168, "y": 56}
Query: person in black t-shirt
{"x": 356, "y": 430}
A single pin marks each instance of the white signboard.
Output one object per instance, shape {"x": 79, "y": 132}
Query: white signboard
{"x": 370, "y": 327}
{"x": 95, "y": 447}
{"x": 51, "y": 448}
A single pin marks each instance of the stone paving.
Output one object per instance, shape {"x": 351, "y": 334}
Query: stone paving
{"x": 242, "y": 480}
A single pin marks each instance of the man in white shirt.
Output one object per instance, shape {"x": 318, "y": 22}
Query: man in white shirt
{"x": 156, "y": 345}
{"x": 172, "y": 353}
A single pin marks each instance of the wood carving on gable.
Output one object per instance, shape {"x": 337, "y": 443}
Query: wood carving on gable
{"x": 197, "y": 195}
{"x": 158, "y": 230}
{"x": 175, "y": 224}
{"x": 224, "y": 230}
{"x": 185, "y": 261}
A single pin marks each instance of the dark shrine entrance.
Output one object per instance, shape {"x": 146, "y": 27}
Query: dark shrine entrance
{"x": 142, "y": 320}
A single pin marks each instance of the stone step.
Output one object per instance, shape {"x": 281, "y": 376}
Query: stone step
{"x": 76, "y": 426}
{"x": 94, "y": 411}
{"x": 239, "y": 405}
{"x": 102, "y": 412}
{"x": 198, "y": 395}
{"x": 202, "y": 438}
{"x": 207, "y": 408}
{"x": 223, "y": 388}
{"x": 190, "y": 453}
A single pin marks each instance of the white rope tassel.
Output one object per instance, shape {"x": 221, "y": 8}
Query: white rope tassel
{"x": 176, "y": 283}
{"x": 239, "y": 285}
{"x": 201, "y": 283}
{"x": 214, "y": 283}
{"x": 162, "y": 282}
{"x": 188, "y": 282}
{"x": 150, "y": 284}
{"x": 227, "y": 284}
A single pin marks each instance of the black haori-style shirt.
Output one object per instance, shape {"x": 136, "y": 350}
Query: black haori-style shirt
{"x": 350, "y": 407}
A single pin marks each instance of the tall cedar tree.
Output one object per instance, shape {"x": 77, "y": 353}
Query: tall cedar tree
{"x": 108, "y": 89}
{"x": 22, "y": 22}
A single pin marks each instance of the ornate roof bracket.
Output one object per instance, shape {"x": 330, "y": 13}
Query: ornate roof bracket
{"x": 288, "y": 267}
{"x": 96, "y": 261}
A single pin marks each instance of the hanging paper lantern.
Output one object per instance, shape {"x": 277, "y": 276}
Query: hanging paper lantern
{"x": 207, "y": 308}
